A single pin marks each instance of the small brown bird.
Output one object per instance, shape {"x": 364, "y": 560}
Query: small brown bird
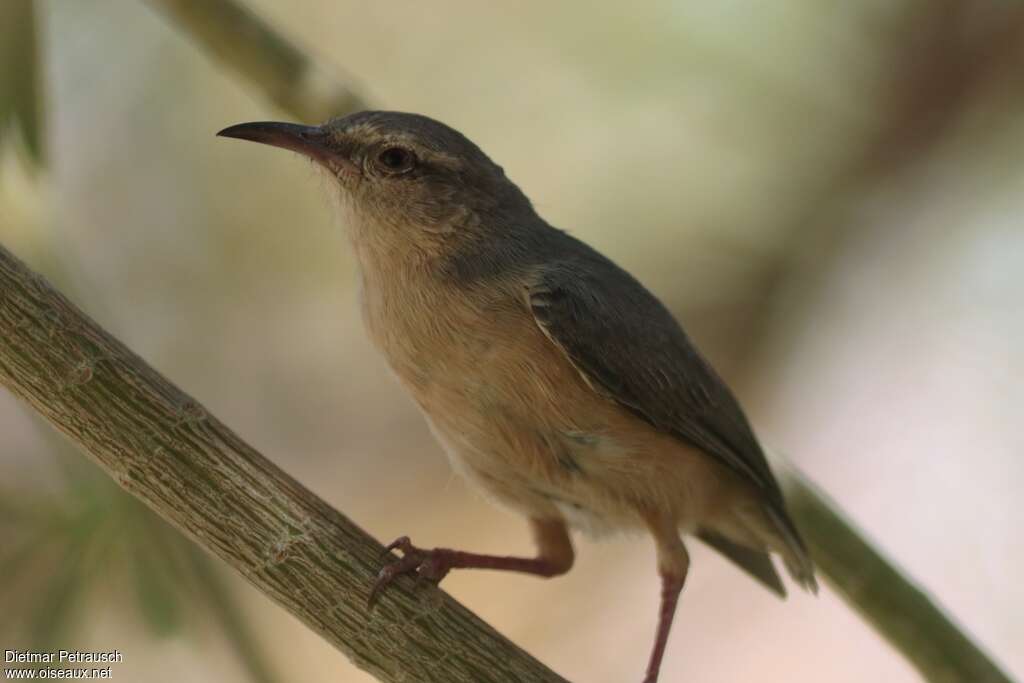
{"x": 553, "y": 379}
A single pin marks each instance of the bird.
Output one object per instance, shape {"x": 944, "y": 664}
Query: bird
{"x": 553, "y": 379}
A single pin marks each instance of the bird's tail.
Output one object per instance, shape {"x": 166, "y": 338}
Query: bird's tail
{"x": 794, "y": 552}
{"x": 756, "y": 563}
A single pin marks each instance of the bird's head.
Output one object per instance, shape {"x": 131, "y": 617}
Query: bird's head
{"x": 402, "y": 177}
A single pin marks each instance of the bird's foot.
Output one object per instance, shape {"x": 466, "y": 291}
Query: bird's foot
{"x": 432, "y": 565}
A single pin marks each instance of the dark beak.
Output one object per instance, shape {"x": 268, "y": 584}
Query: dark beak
{"x": 312, "y": 141}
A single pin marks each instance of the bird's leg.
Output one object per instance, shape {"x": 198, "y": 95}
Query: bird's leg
{"x": 554, "y": 557}
{"x": 673, "y": 564}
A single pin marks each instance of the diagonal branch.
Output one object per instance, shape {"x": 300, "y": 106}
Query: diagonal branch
{"x": 159, "y": 444}
{"x": 871, "y": 585}
{"x": 244, "y": 43}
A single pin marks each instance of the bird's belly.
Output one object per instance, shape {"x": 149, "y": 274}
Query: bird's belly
{"x": 535, "y": 437}
{"x": 539, "y": 471}
{"x": 518, "y": 420}
{"x": 596, "y": 466}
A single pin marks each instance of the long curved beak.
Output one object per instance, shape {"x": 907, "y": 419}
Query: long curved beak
{"x": 311, "y": 141}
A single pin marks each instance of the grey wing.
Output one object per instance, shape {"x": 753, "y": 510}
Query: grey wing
{"x": 627, "y": 345}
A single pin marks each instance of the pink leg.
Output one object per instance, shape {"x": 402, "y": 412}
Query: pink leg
{"x": 671, "y": 586}
{"x": 555, "y": 556}
{"x": 673, "y": 564}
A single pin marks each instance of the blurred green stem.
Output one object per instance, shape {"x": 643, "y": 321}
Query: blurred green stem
{"x": 272, "y": 64}
{"x": 890, "y": 601}
{"x": 20, "y": 101}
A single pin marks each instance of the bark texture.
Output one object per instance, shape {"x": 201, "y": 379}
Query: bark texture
{"x": 162, "y": 446}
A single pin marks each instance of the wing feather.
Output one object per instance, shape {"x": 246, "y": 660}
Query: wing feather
{"x": 627, "y": 346}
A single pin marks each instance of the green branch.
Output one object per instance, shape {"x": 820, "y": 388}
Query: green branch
{"x": 290, "y": 78}
{"x": 877, "y": 590}
{"x": 20, "y": 99}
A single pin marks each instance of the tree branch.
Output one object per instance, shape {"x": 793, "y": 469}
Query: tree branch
{"x": 162, "y": 446}
{"x": 898, "y": 610}
{"x": 272, "y": 64}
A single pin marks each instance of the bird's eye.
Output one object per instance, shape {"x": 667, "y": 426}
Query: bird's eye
{"x": 396, "y": 160}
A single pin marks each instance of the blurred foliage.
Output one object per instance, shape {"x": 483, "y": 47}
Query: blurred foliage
{"x": 20, "y": 75}
{"x": 70, "y": 546}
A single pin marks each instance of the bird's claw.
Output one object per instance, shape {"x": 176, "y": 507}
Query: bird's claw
{"x": 432, "y": 565}
{"x": 402, "y": 543}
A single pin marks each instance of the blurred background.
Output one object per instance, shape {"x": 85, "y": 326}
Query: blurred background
{"x": 828, "y": 195}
